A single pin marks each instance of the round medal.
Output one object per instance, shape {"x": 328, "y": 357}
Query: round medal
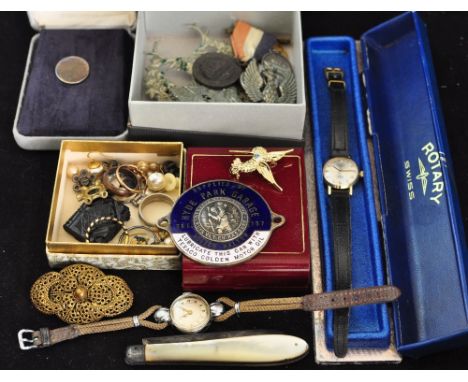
{"x": 216, "y": 70}
{"x": 72, "y": 70}
{"x": 221, "y": 223}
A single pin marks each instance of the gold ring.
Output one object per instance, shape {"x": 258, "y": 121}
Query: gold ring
{"x": 139, "y": 177}
{"x": 109, "y": 180}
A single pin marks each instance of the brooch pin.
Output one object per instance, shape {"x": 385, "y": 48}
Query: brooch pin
{"x": 80, "y": 294}
{"x": 260, "y": 161}
{"x": 271, "y": 81}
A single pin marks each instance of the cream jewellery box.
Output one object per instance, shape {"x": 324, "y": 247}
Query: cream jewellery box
{"x": 63, "y": 249}
{"x": 49, "y": 110}
{"x": 174, "y": 37}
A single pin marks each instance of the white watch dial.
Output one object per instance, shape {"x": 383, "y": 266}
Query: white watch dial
{"x": 340, "y": 173}
{"x": 190, "y": 313}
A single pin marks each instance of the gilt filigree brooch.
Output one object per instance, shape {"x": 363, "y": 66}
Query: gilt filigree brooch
{"x": 80, "y": 294}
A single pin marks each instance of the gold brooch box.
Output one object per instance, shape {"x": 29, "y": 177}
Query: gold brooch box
{"x": 63, "y": 249}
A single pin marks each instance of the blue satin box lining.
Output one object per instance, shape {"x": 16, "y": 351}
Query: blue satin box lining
{"x": 423, "y": 238}
{"x": 369, "y": 325}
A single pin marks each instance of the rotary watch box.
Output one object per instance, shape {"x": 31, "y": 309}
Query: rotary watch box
{"x": 406, "y": 228}
{"x": 50, "y": 110}
{"x": 284, "y": 263}
{"x": 62, "y": 248}
{"x": 171, "y": 33}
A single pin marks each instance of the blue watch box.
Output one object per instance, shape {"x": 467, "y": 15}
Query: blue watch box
{"x": 416, "y": 241}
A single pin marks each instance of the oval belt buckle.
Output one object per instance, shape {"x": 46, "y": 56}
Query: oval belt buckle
{"x": 220, "y": 223}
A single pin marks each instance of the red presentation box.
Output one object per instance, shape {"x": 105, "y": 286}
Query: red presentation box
{"x": 284, "y": 263}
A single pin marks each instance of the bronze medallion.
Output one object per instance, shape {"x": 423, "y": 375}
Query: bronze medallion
{"x": 216, "y": 70}
{"x": 72, "y": 70}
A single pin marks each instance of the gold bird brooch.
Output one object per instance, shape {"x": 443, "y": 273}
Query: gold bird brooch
{"x": 261, "y": 161}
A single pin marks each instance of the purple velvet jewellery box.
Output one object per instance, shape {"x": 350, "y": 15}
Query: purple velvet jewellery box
{"x": 406, "y": 225}
{"x": 50, "y": 110}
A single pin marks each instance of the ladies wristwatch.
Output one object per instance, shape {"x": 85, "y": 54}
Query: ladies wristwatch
{"x": 340, "y": 173}
{"x": 191, "y": 313}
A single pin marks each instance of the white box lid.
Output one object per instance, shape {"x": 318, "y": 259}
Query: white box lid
{"x": 82, "y": 20}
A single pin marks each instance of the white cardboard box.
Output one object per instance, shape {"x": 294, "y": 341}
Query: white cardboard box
{"x": 175, "y": 38}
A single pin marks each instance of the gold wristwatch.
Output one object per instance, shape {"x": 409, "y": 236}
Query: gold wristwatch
{"x": 340, "y": 174}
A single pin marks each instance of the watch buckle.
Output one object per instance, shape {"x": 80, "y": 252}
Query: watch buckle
{"x": 24, "y": 341}
{"x": 335, "y": 77}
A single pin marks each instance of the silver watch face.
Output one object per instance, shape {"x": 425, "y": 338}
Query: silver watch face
{"x": 340, "y": 173}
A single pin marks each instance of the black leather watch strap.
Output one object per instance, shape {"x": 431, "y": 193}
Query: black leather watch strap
{"x": 340, "y": 209}
{"x": 339, "y": 117}
{"x": 339, "y": 201}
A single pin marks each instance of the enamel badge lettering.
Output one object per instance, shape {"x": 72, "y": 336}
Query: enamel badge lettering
{"x": 221, "y": 223}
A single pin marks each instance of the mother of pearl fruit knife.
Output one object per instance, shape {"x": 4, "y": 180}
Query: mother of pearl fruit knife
{"x": 248, "y": 348}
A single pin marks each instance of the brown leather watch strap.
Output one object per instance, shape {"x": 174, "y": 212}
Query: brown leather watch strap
{"x": 319, "y": 301}
{"x": 30, "y": 339}
{"x": 47, "y": 337}
{"x": 350, "y": 297}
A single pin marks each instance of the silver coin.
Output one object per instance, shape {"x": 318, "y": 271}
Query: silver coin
{"x": 72, "y": 70}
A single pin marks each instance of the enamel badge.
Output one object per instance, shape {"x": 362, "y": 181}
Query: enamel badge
{"x": 221, "y": 223}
